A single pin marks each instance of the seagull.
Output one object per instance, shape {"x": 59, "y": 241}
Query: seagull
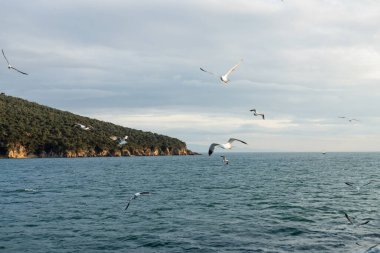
{"x": 356, "y": 186}
{"x": 227, "y": 145}
{"x": 83, "y": 126}
{"x": 352, "y": 222}
{"x": 122, "y": 141}
{"x": 372, "y": 247}
{"x": 257, "y": 114}
{"x": 224, "y": 78}
{"x": 349, "y": 119}
{"x": 10, "y": 66}
{"x": 225, "y": 161}
{"x": 137, "y": 194}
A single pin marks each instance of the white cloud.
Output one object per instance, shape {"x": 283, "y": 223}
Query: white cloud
{"x": 137, "y": 63}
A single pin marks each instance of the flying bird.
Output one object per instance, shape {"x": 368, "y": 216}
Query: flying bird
{"x": 349, "y": 119}
{"x": 357, "y": 186}
{"x": 372, "y": 247}
{"x": 83, "y": 126}
{"x": 122, "y": 141}
{"x": 257, "y": 114}
{"x": 227, "y": 145}
{"x": 135, "y": 196}
{"x": 10, "y": 66}
{"x": 225, "y": 161}
{"x": 224, "y": 78}
{"x": 351, "y": 220}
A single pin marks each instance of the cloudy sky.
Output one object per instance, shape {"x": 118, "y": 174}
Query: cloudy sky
{"x": 136, "y": 63}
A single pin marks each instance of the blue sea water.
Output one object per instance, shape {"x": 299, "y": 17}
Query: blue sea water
{"x": 260, "y": 202}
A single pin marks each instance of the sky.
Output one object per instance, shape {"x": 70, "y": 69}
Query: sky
{"x": 136, "y": 64}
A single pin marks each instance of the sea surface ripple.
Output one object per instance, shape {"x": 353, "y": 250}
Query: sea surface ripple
{"x": 260, "y": 202}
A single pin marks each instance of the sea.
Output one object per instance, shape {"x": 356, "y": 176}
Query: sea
{"x": 259, "y": 202}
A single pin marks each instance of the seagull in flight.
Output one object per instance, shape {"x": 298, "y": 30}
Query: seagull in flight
{"x": 224, "y": 78}
{"x": 83, "y": 126}
{"x": 121, "y": 141}
{"x": 135, "y": 196}
{"x": 225, "y": 161}
{"x": 257, "y": 114}
{"x": 349, "y": 119}
{"x": 351, "y": 220}
{"x": 372, "y": 247}
{"x": 10, "y": 66}
{"x": 227, "y": 145}
{"x": 357, "y": 186}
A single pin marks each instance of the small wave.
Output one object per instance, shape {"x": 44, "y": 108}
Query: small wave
{"x": 30, "y": 190}
{"x": 22, "y": 190}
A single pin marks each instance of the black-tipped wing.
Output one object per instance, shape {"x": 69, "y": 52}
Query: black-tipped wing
{"x": 252, "y": 110}
{"x": 207, "y": 71}
{"x": 127, "y": 205}
{"x": 233, "y": 139}
{"x": 19, "y": 71}
{"x": 144, "y": 193}
{"x": 348, "y": 218}
{"x": 5, "y": 56}
{"x": 372, "y": 247}
{"x": 363, "y": 223}
{"x": 129, "y": 202}
{"x": 367, "y": 183}
{"x": 211, "y": 148}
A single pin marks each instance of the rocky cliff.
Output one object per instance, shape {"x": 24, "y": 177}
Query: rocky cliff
{"x": 31, "y": 130}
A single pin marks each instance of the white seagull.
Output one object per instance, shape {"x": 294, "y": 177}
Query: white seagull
{"x": 349, "y": 119}
{"x": 10, "y": 66}
{"x": 257, "y": 114}
{"x": 351, "y": 220}
{"x": 83, "y": 126}
{"x": 224, "y": 78}
{"x": 225, "y": 161}
{"x": 122, "y": 141}
{"x": 227, "y": 145}
{"x": 357, "y": 186}
{"x": 137, "y": 194}
{"x": 372, "y": 247}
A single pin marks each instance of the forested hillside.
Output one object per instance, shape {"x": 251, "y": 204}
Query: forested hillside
{"x": 28, "y": 129}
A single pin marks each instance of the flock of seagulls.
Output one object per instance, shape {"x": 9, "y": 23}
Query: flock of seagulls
{"x": 352, "y": 220}
{"x": 224, "y": 79}
{"x": 121, "y": 141}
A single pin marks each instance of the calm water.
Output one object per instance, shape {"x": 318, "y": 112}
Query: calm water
{"x": 271, "y": 202}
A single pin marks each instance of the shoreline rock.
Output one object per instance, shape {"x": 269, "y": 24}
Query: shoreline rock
{"x": 18, "y": 151}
